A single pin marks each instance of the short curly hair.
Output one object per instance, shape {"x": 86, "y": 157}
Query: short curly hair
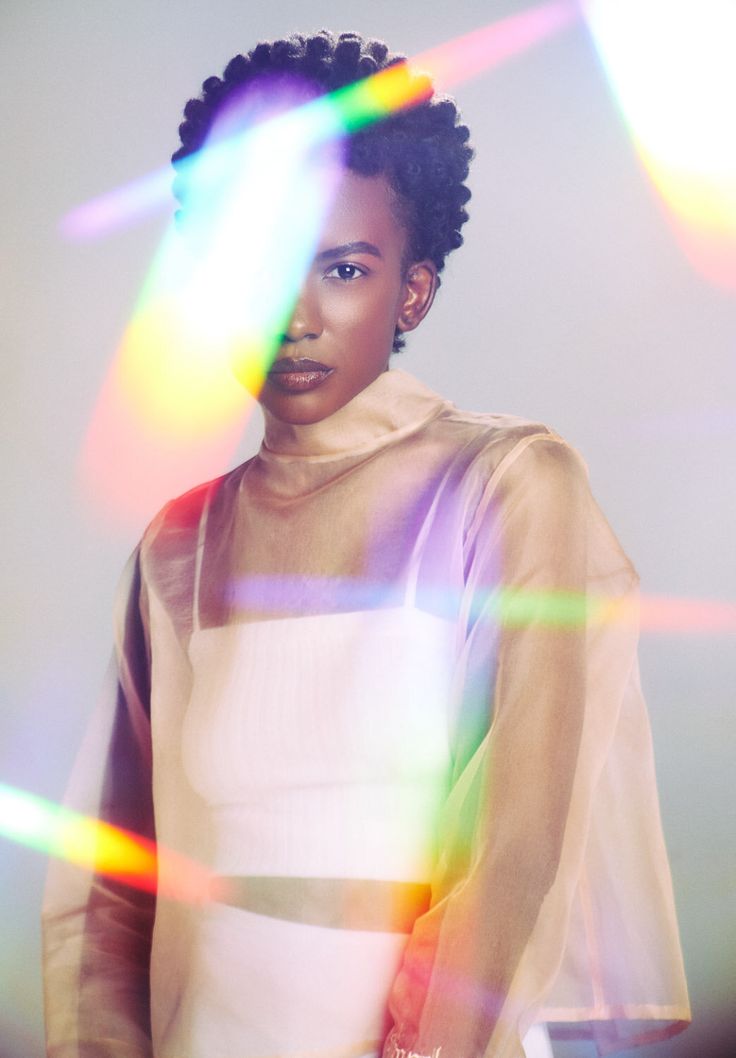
{"x": 422, "y": 151}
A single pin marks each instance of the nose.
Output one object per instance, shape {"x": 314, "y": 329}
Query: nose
{"x": 306, "y": 321}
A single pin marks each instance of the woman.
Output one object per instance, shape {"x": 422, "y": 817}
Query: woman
{"x": 381, "y": 679}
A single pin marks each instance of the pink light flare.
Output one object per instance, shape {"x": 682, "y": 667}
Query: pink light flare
{"x": 485, "y": 48}
{"x": 115, "y": 208}
{"x": 672, "y": 616}
{"x": 127, "y": 468}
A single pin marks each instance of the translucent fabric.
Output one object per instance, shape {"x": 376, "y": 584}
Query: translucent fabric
{"x": 393, "y": 653}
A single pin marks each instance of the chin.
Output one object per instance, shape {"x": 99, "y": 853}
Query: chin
{"x": 301, "y": 410}
{"x": 307, "y": 418}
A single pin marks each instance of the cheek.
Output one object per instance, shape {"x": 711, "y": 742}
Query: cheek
{"x": 370, "y": 310}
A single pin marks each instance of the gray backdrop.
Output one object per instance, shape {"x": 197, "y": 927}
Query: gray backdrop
{"x": 570, "y": 302}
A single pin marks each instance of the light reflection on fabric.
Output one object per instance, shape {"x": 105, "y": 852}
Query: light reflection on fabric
{"x": 507, "y": 606}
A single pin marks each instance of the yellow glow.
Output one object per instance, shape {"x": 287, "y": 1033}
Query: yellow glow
{"x": 671, "y": 65}
{"x": 176, "y": 377}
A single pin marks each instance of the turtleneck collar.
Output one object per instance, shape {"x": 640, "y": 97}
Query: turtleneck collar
{"x": 395, "y": 404}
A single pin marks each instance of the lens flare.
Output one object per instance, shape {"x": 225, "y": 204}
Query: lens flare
{"x": 96, "y": 846}
{"x": 670, "y": 65}
{"x": 508, "y": 606}
{"x": 114, "y": 209}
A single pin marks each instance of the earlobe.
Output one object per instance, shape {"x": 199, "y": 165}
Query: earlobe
{"x": 421, "y": 287}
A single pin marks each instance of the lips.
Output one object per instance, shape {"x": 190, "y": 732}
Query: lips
{"x": 286, "y": 365}
{"x": 298, "y": 375}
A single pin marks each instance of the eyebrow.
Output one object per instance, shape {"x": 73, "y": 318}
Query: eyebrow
{"x": 346, "y": 249}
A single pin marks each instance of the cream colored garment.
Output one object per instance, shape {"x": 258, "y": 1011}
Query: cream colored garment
{"x": 551, "y": 895}
{"x": 295, "y": 737}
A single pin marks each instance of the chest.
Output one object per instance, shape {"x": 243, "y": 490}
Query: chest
{"x": 338, "y": 698}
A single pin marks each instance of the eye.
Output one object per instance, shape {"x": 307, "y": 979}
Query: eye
{"x": 346, "y": 272}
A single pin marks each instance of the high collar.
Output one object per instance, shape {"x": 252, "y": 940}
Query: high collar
{"x": 393, "y": 405}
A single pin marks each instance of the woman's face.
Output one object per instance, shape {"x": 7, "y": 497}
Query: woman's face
{"x": 354, "y": 296}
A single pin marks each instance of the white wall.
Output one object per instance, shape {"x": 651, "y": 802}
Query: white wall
{"x": 570, "y": 302}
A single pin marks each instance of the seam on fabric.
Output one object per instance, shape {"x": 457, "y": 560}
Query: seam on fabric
{"x": 594, "y": 955}
{"x": 612, "y": 1012}
{"x": 199, "y": 556}
{"x": 356, "y": 1050}
{"x": 508, "y": 460}
{"x": 415, "y": 558}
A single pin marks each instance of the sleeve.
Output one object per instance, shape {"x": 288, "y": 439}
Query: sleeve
{"x": 97, "y": 931}
{"x": 540, "y": 698}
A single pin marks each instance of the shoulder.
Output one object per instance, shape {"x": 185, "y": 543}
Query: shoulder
{"x": 176, "y": 527}
{"x": 524, "y": 474}
{"x": 502, "y": 451}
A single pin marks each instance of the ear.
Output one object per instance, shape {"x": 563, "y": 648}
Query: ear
{"x": 420, "y": 288}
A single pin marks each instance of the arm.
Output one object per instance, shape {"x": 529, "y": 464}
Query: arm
{"x": 96, "y": 931}
{"x": 480, "y": 962}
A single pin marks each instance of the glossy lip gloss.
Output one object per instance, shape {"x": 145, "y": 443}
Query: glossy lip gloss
{"x": 298, "y": 376}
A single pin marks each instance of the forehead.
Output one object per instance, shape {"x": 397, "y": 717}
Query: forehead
{"x": 363, "y": 209}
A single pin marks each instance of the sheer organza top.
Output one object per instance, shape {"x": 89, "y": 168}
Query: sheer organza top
{"x": 550, "y": 890}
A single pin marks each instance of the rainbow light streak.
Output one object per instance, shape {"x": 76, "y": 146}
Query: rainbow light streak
{"x": 356, "y": 105}
{"x": 113, "y": 209}
{"x": 670, "y": 64}
{"x": 508, "y": 606}
{"x": 100, "y": 847}
{"x": 211, "y": 302}
{"x": 210, "y": 314}
{"x": 220, "y": 293}
{"x": 482, "y": 49}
